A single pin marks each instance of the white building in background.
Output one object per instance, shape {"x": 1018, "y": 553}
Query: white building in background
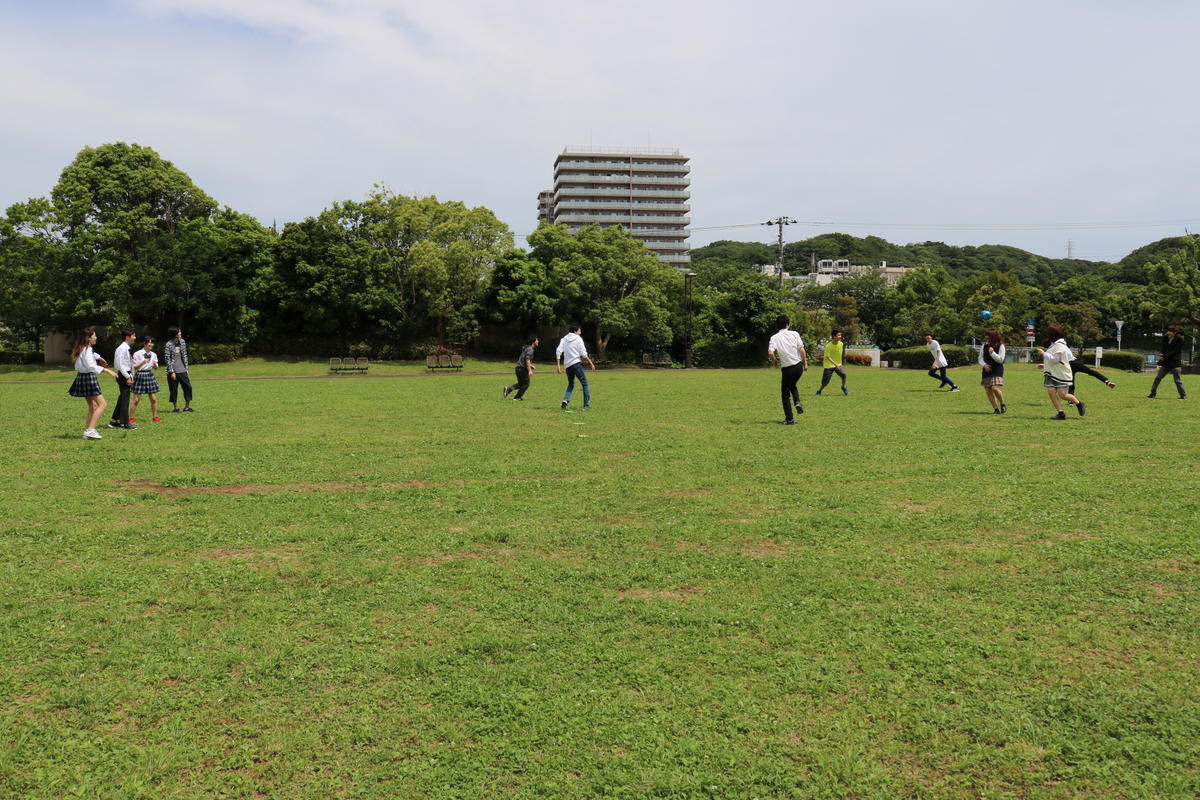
{"x": 830, "y": 269}
{"x": 643, "y": 191}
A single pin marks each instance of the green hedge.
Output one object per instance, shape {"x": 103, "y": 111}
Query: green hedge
{"x": 1117, "y": 359}
{"x": 21, "y": 357}
{"x": 200, "y": 353}
{"x": 919, "y": 357}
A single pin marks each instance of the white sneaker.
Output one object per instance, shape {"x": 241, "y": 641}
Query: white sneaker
{"x": 92, "y": 433}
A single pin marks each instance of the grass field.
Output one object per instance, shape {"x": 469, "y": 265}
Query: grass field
{"x": 407, "y": 587}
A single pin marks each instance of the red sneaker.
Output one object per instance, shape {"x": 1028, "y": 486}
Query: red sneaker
{"x": 131, "y": 419}
{"x": 155, "y": 419}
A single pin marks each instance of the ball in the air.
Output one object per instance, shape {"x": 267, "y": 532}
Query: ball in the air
{"x": 985, "y": 314}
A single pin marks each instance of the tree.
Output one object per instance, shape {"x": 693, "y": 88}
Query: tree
{"x": 520, "y": 292}
{"x": 924, "y": 302}
{"x": 392, "y": 267}
{"x": 118, "y": 209}
{"x": 1175, "y": 281}
{"x": 30, "y": 270}
{"x": 610, "y": 283}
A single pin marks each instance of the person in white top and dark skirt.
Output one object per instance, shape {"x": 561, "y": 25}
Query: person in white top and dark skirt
{"x": 991, "y": 358}
{"x": 87, "y": 366}
{"x": 144, "y": 362}
{"x": 1057, "y": 377}
{"x": 786, "y": 349}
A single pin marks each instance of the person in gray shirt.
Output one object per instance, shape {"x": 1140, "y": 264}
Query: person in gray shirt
{"x": 524, "y": 369}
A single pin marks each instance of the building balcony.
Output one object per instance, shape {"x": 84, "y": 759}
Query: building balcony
{"x": 668, "y": 192}
{"x": 585, "y": 218}
{"x": 605, "y": 205}
{"x": 619, "y": 180}
{"x": 623, "y": 166}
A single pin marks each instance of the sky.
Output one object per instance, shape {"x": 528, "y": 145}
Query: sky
{"x": 1032, "y": 124}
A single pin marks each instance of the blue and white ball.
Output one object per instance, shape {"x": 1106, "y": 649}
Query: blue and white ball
{"x": 985, "y": 315}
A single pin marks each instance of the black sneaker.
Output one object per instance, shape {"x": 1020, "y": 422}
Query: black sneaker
{"x": 995, "y": 411}
{"x": 799, "y": 408}
{"x": 174, "y": 410}
{"x": 127, "y": 426}
{"x": 787, "y": 422}
{"x": 1003, "y": 408}
{"x": 506, "y": 392}
{"x": 564, "y": 405}
{"x": 114, "y": 424}
{"x": 1079, "y": 408}
{"x": 190, "y": 410}
{"x": 1060, "y": 415}
{"x": 1149, "y": 397}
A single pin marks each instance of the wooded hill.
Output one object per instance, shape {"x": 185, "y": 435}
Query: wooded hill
{"x": 960, "y": 262}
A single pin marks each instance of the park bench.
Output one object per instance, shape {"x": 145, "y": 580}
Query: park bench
{"x": 659, "y": 359}
{"x": 349, "y": 364}
{"x": 444, "y": 361}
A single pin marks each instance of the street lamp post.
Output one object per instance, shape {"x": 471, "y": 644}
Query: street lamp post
{"x": 687, "y": 311}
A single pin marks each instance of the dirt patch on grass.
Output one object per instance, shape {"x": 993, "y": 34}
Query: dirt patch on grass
{"x": 254, "y": 557}
{"x": 679, "y": 595}
{"x": 764, "y": 547}
{"x": 143, "y": 484}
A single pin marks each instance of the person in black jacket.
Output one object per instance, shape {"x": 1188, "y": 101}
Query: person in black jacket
{"x": 1170, "y": 360}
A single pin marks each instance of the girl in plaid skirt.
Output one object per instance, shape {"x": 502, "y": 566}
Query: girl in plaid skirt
{"x": 144, "y": 362}
{"x": 87, "y": 366}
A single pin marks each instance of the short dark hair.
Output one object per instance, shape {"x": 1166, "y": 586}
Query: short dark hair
{"x": 172, "y": 331}
{"x": 835, "y": 333}
{"x": 781, "y": 321}
{"x": 930, "y": 335}
{"x": 1053, "y": 334}
{"x": 148, "y": 339}
{"x": 127, "y": 332}
{"x": 574, "y": 327}
{"x": 532, "y": 338}
{"x": 1173, "y": 328}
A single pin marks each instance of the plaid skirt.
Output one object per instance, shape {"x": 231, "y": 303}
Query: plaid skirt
{"x": 85, "y": 385}
{"x": 1050, "y": 381}
{"x": 144, "y": 382}
{"x": 992, "y": 380}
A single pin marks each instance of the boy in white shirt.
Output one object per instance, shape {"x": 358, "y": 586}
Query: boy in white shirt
{"x": 570, "y": 354}
{"x": 123, "y": 364}
{"x": 938, "y": 370}
{"x": 786, "y": 349}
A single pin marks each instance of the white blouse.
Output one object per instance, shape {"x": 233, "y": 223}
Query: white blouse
{"x": 997, "y": 356}
{"x": 144, "y": 362}
{"x": 87, "y": 362}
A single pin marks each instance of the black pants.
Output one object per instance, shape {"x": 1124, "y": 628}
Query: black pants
{"x": 828, "y": 373}
{"x": 522, "y": 382}
{"x": 1078, "y": 366}
{"x": 1176, "y": 372}
{"x": 180, "y": 379}
{"x": 940, "y": 374}
{"x": 121, "y": 411}
{"x": 788, "y": 378}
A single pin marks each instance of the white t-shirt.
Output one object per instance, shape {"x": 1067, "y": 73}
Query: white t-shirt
{"x": 939, "y": 358}
{"x": 787, "y": 344}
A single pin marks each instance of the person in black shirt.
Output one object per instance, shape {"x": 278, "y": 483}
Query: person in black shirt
{"x": 1170, "y": 360}
{"x": 523, "y": 369}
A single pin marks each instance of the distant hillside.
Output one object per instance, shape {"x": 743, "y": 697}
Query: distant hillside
{"x": 960, "y": 262}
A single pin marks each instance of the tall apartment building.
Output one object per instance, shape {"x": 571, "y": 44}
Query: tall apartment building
{"x": 643, "y": 191}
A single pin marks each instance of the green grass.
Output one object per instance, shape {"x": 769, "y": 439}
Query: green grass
{"x": 394, "y": 588}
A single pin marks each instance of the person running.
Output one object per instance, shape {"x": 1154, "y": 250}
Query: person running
{"x": 991, "y": 358}
{"x": 1170, "y": 360}
{"x": 1078, "y": 366}
{"x": 175, "y": 359}
{"x": 123, "y": 363}
{"x": 1056, "y": 363}
{"x": 570, "y": 354}
{"x": 938, "y": 370}
{"x": 832, "y": 360}
{"x": 524, "y": 369}
{"x": 87, "y": 366}
{"x": 786, "y": 350}
{"x": 144, "y": 362}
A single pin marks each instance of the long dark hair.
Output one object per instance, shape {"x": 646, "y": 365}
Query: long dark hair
{"x": 993, "y": 339}
{"x": 81, "y": 341}
{"x": 1053, "y": 334}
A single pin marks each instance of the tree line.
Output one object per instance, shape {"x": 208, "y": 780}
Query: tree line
{"x": 126, "y": 238}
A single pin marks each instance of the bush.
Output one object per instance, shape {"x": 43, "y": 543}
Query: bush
{"x": 21, "y": 357}
{"x": 858, "y": 358}
{"x": 1117, "y": 359}
{"x": 919, "y": 358}
{"x": 213, "y": 353}
{"x": 724, "y": 353}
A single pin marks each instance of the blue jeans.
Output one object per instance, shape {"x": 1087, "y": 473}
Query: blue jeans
{"x": 576, "y": 371}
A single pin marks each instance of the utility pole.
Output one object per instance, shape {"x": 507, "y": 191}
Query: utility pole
{"x": 1070, "y": 249}
{"x": 780, "y": 222}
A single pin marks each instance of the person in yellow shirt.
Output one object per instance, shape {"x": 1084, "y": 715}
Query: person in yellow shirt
{"x": 832, "y": 361}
